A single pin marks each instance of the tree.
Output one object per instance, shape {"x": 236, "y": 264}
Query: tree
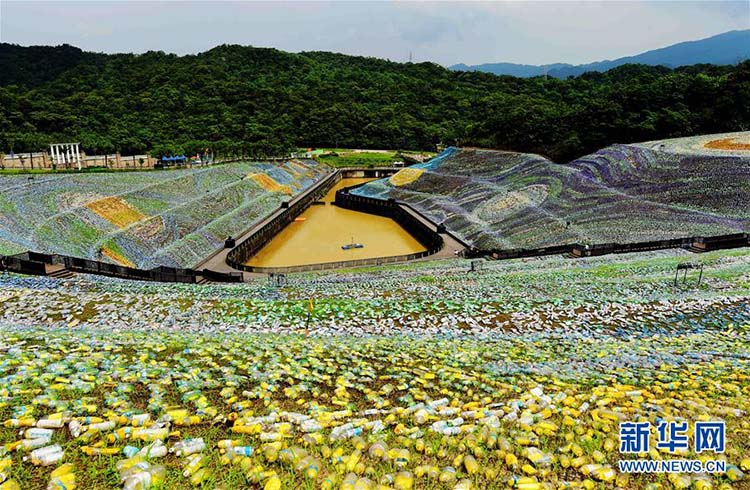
{"x": 264, "y": 102}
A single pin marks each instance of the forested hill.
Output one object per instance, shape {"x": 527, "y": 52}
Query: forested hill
{"x": 265, "y": 101}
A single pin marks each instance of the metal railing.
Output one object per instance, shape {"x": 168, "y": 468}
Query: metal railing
{"x": 36, "y": 263}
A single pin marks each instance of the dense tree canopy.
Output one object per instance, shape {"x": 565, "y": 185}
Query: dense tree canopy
{"x": 264, "y": 101}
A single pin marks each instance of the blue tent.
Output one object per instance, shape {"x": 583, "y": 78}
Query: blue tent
{"x": 180, "y": 158}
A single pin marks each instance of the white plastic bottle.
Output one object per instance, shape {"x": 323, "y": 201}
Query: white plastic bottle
{"x": 146, "y": 479}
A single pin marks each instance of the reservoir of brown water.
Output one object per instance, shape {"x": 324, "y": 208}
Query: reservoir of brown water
{"x": 320, "y": 231}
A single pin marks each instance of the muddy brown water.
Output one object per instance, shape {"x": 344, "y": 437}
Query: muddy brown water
{"x": 325, "y": 228}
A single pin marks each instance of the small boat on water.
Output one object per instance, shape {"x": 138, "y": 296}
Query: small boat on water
{"x": 352, "y": 245}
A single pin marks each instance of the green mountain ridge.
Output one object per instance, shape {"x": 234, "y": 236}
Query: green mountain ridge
{"x": 262, "y": 101}
{"x": 727, "y": 48}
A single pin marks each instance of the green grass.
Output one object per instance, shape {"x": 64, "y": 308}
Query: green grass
{"x": 348, "y": 158}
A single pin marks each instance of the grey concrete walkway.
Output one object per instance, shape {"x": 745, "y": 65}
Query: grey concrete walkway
{"x": 451, "y": 245}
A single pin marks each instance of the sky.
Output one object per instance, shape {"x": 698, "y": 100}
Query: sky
{"x": 528, "y": 32}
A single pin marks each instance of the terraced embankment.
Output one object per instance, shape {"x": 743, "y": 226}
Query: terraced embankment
{"x": 622, "y": 193}
{"x": 146, "y": 219}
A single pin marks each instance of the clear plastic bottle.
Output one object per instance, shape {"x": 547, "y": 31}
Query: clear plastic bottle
{"x": 404, "y": 480}
{"x": 156, "y": 449}
{"x": 22, "y": 422}
{"x": 243, "y": 450}
{"x": 189, "y": 446}
{"x": 124, "y": 464}
{"x": 102, "y": 427}
{"x": 200, "y": 475}
{"x": 228, "y": 443}
{"x": 349, "y": 481}
{"x": 146, "y": 479}
{"x": 464, "y": 484}
{"x": 150, "y": 434}
{"x": 135, "y": 469}
{"x": 130, "y": 451}
{"x": 46, "y": 456}
{"x": 471, "y": 464}
{"x": 378, "y": 450}
{"x": 50, "y": 423}
{"x": 38, "y": 433}
{"x": 10, "y": 485}
{"x": 63, "y": 482}
{"x": 26, "y": 444}
{"x": 272, "y": 483}
{"x": 107, "y": 451}
{"x": 311, "y": 425}
{"x": 447, "y": 475}
{"x": 194, "y": 463}
{"x": 402, "y": 458}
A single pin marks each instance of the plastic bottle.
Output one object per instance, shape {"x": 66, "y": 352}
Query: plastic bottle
{"x": 150, "y": 434}
{"x": 46, "y": 456}
{"x": 378, "y": 450}
{"x": 353, "y": 459}
{"x": 273, "y": 483}
{"x": 38, "y": 433}
{"x": 702, "y": 481}
{"x": 243, "y": 450}
{"x": 146, "y": 479}
{"x": 471, "y": 465}
{"x": 310, "y": 466}
{"x": 734, "y": 473}
{"x": 228, "y": 443}
{"x": 135, "y": 420}
{"x": 349, "y": 481}
{"x": 10, "y": 485}
{"x": 200, "y": 475}
{"x": 328, "y": 483}
{"x": 363, "y": 484}
{"x": 270, "y": 436}
{"x": 188, "y": 421}
{"x": 156, "y": 449}
{"x": 50, "y": 423}
{"x": 311, "y": 425}
{"x": 402, "y": 458}
{"x": 403, "y": 480}
{"x": 679, "y": 481}
{"x": 92, "y": 451}
{"x": 464, "y": 484}
{"x": 135, "y": 469}
{"x": 21, "y": 422}
{"x": 62, "y": 478}
{"x": 188, "y": 446}
{"x": 130, "y": 451}
{"x": 608, "y": 474}
{"x": 447, "y": 475}
{"x": 124, "y": 464}
{"x": 62, "y": 470}
{"x": 26, "y": 444}
{"x": 193, "y": 464}
{"x": 517, "y": 481}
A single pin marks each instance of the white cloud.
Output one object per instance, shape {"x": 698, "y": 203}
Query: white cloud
{"x": 444, "y": 32}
